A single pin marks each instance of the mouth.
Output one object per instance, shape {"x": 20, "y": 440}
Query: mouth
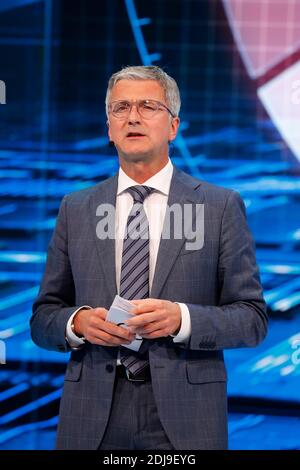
{"x": 135, "y": 135}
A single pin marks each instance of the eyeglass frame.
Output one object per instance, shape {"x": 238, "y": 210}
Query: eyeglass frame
{"x": 136, "y": 102}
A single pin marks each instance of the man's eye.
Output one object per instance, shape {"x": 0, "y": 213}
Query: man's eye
{"x": 149, "y": 106}
{"x": 120, "y": 107}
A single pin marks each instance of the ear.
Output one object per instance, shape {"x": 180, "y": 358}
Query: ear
{"x": 108, "y": 131}
{"x": 174, "y": 128}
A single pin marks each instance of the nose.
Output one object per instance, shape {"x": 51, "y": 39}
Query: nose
{"x": 133, "y": 115}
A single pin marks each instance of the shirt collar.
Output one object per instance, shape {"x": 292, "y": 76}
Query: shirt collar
{"x": 160, "y": 181}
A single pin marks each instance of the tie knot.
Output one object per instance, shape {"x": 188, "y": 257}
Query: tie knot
{"x": 139, "y": 193}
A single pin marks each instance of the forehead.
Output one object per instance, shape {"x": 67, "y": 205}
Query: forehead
{"x": 137, "y": 89}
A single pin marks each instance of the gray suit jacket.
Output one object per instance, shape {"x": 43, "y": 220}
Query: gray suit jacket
{"x": 219, "y": 283}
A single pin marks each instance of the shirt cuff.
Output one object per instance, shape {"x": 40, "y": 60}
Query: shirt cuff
{"x": 185, "y": 330}
{"x": 74, "y": 340}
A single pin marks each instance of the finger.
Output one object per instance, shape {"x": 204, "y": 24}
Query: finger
{"x": 146, "y": 305}
{"x": 98, "y": 327}
{"x": 143, "y": 319}
{"x": 108, "y": 340}
{"x": 119, "y": 331}
{"x": 105, "y": 343}
{"x": 150, "y": 328}
{"x": 101, "y": 313}
{"x": 98, "y": 324}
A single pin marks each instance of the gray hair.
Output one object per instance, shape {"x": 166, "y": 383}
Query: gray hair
{"x": 148, "y": 72}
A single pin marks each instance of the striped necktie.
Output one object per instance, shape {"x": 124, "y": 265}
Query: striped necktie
{"x": 134, "y": 279}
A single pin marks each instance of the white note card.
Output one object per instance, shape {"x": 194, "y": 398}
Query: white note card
{"x": 120, "y": 310}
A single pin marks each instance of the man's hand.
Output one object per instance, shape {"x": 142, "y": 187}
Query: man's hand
{"x": 155, "y": 318}
{"x": 92, "y": 325}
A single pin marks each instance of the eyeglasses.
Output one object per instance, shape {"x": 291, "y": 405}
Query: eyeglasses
{"x": 146, "y": 108}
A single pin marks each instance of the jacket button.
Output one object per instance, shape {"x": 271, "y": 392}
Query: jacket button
{"x": 109, "y": 368}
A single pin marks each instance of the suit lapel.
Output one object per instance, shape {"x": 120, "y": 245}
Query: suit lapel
{"x": 182, "y": 191}
{"x": 105, "y": 193}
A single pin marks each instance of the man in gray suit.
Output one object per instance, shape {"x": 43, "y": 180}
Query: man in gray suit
{"x": 189, "y": 301}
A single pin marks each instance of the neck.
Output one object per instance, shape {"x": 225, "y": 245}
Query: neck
{"x": 142, "y": 171}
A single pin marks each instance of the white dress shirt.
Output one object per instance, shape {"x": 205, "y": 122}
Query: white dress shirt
{"x": 155, "y": 206}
